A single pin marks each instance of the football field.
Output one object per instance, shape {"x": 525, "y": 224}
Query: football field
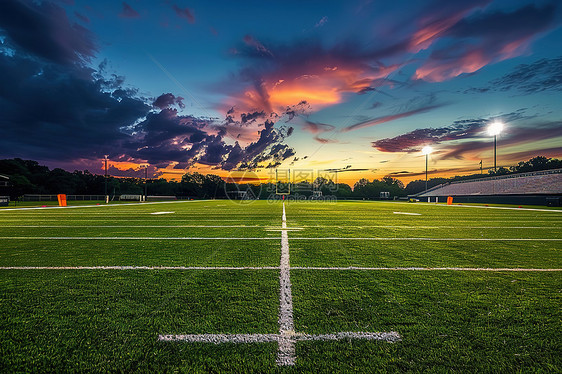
{"x": 222, "y": 286}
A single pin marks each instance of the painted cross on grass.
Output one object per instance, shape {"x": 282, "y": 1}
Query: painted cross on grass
{"x": 287, "y": 337}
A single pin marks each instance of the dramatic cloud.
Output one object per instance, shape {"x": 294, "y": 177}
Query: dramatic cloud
{"x": 542, "y": 75}
{"x": 483, "y": 38}
{"x": 128, "y": 12}
{"x": 44, "y": 30}
{"x": 185, "y": 13}
{"x": 167, "y": 100}
{"x": 518, "y": 136}
{"x": 61, "y": 112}
{"x": 276, "y": 75}
{"x": 413, "y": 141}
{"x": 392, "y": 117}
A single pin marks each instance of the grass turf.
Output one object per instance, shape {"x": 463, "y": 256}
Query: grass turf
{"x": 108, "y": 320}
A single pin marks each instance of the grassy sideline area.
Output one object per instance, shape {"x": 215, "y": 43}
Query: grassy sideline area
{"x": 95, "y": 319}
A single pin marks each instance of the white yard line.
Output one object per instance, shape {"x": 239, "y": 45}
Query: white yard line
{"x": 418, "y": 269}
{"x": 286, "y": 354}
{"x": 319, "y": 268}
{"x": 130, "y": 226}
{"x": 123, "y": 238}
{"x": 264, "y": 238}
{"x": 104, "y": 205}
{"x": 433, "y": 239}
{"x": 267, "y": 338}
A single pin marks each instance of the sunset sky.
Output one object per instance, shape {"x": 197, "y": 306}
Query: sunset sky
{"x": 221, "y": 86}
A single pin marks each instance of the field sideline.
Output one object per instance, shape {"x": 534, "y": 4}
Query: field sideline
{"x": 305, "y": 286}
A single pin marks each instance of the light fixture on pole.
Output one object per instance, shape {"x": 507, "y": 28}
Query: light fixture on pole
{"x": 426, "y": 151}
{"x": 494, "y": 129}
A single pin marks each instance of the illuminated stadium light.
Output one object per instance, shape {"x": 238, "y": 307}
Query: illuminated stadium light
{"x": 494, "y": 130}
{"x": 426, "y": 151}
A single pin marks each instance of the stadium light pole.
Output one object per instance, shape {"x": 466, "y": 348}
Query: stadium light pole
{"x": 494, "y": 129}
{"x": 426, "y": 151}
{"x": 105, "y": 157}
{"x": 145, "y": 182}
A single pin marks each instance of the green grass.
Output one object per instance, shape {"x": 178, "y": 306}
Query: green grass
{"x": 450, "y": 321}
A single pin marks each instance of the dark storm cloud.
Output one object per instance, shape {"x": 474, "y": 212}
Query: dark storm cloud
{"x": 44, "y": 30}
{"x": 49, "y": 113}
{"x": 167, "y": 100}
{"x": 128, "y": 12}
{"x": 247, "y": 118}
{"x": 56, "y": 109}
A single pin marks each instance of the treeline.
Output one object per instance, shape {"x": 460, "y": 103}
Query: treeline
{"x": 28, "y": 177}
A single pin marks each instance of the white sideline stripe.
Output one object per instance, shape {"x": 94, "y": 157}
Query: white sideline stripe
{"x": 264, "y": 238}
{"x": 272, "y": 229}
{"x": 418, "y": 269}
{"x": 129, "y": 226}
{"x": 507, "y": 208}
{"x": 127, "y": 267}
{"x": 122, "y": 267}
{"x": 390, "y": 337}
{"x": 105, "y": 205}
{"x": 409, "y": 214}
{"x": 123, "y": 238}
{"x": 286, "y": 353}
{"x": 433, "y": 239}
{"x": 156, "y": 213}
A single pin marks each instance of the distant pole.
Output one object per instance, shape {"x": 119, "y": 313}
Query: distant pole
{"x": 426, "y": 151}
{"x": 481, "y": 167}
{"x": 145, "y": 182}
{"x": 494, "y": 129}
{"x": 495, "y": 143}
{"x": 105, "y": 189}
{"x": 426, "y": 156}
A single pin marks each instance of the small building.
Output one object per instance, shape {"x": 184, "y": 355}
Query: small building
{"x": 4, "y": 180}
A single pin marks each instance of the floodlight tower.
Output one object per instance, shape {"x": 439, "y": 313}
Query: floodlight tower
{"x": 145, "y": 166}
{"x": 426, "y": 151}
{"x": 105, "y": 157}
{"x": 494, "y": 129}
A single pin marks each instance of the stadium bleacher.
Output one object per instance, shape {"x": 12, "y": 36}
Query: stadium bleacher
{"x": 546, "y": 182}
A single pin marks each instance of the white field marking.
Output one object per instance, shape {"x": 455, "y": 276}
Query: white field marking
{"x": 104, "y": 205}
{"x": 434, "y": 239}
{"x": 417, "y": 227}
{"x": 128, "y": 267}
{"x": 139, "y": 268}
{"x": 419, "y": 269}
{"x": 121, "y": 238}
{"x": 287, "y": 337}
{"x": 267, "y": 338}
{"x": 286, "y": 353}
{"x": 409, "y": 214}
{"x": 130, "y": 226}
{"x": 284, "y": 229}
{"x": 155, "y": 213}
{"x": 507, "y": 208}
